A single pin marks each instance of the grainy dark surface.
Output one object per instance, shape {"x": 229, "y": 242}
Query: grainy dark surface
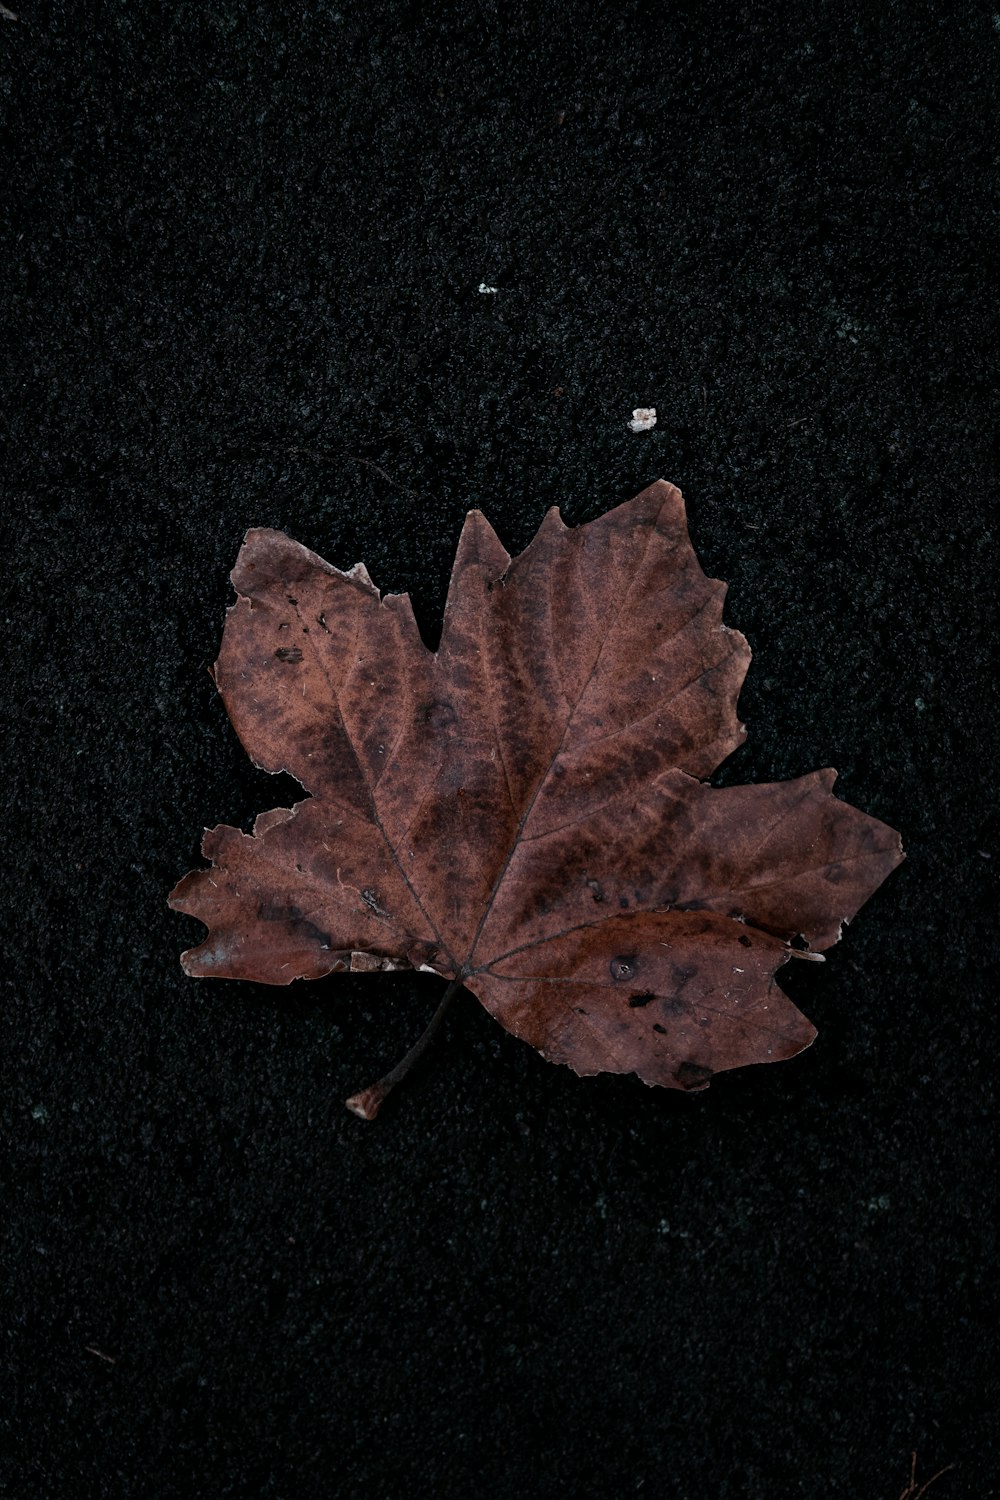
{"x": 243, "y": 248}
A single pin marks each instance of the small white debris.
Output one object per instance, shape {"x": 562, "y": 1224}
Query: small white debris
{"x": 487, "y": 291}
{"x": 643, "y": 419}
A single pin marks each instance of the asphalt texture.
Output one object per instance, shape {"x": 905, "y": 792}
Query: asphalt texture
{"x": 244, "y": 247}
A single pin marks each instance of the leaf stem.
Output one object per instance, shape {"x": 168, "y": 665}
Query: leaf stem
{"x": 369, "y": 1101}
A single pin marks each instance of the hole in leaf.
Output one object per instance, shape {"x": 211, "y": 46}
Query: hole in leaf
{"x": 623, "y": 966}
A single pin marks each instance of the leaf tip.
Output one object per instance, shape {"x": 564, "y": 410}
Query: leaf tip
{"x": 360, "y": 574}
{"x": 478, "y": 546}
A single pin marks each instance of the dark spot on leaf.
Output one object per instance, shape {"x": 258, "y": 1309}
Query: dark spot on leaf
{"x": 290, "y": 599}
{"x": 271, "y": 912}
{"x": 635, "y": 1001}
{"x": 745, "y": 941}
{"x": 596, "y": 889}
{"x": 673, "y": 1005}
{"x": 438, "y": 716}
{"x": 836, "y": 874}
{"x": 692, "y": 1075}
{"x": 623, "y": 966}
{"x": 661, "y": 1029}
{"x": 288, "y": 653}
{"x": 623, "y": 902}
{"x": 316, "y": 934}
{"x": 321, "y": 621}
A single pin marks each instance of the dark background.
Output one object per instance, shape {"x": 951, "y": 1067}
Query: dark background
{"x": 243, "y": 247}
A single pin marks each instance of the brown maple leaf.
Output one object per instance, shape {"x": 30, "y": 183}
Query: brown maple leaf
{"x": 522, "y": 812}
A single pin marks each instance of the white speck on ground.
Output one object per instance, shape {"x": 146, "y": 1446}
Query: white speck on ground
{"x": 487, "y": 290}
{"x": 643, "y": 419}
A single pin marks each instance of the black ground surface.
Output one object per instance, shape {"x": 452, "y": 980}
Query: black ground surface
{"x": 243, "y": 252}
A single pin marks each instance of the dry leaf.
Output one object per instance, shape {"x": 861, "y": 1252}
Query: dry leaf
{"x": 523, "y": 812}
